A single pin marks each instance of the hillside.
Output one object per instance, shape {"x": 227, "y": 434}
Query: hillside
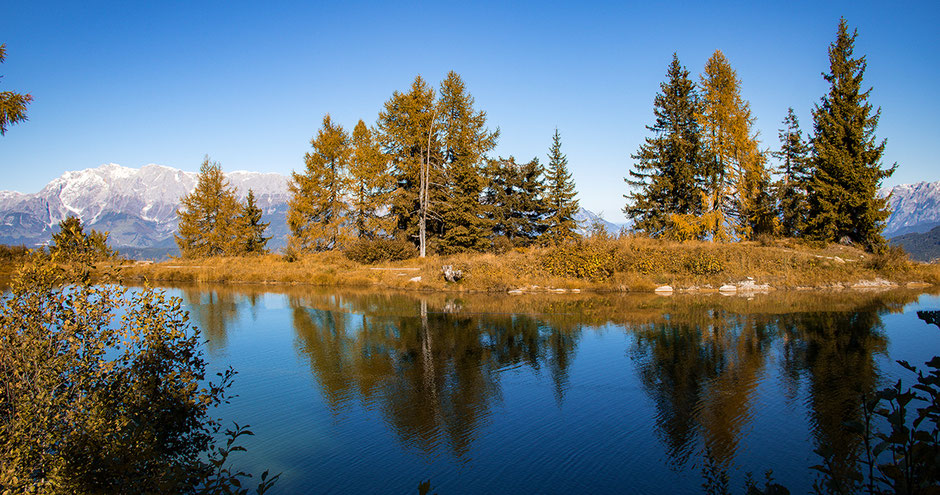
{"x": 921, "y": 247}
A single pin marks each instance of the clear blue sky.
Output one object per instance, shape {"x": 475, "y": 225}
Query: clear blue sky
{"x": 248, "y": 82}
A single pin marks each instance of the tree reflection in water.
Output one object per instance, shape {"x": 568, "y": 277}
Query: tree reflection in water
{"x": 432, "y": 364}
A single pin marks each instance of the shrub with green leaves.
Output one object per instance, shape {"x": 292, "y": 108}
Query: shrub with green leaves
{"x": 104, "y": 391}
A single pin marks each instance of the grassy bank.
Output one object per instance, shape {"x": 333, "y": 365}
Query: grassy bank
{"x": 627, "y": 264}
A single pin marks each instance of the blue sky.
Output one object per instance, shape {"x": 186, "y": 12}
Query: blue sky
{"x": 248, "y": 82}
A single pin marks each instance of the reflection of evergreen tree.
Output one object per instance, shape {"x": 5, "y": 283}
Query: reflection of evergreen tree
{"x": 701, "y": 376}
{"x": 835, "y": 351}
{"x": 433, "y": 376}
{"x": 214, "y": 311}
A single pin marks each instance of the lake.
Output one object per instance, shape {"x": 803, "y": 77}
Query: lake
{"x": 371, "y": 392}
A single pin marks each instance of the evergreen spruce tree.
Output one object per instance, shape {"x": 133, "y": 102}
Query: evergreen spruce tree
{"x": 209, "y": 216}
{"x": 515, "y": 201}
{"x": 316, "y": 212}
{"x": 670, "y": 168}
{"x": 408, "y": 129}
{"x": 794, "y": 172}
{"x": 12, "y": 105}
{"x": 847, "y": 169}
{"x": 371, "y": 185}
{"x": 252, "y": 227}
{"x": 560, "y": 196}
{"x": 737, "y": 184}
{"x": 466, "y": 141}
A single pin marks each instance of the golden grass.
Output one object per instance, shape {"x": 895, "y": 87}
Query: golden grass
{"x": 626, "y": 264}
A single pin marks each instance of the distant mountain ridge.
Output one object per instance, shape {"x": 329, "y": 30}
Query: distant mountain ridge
{"x": 914, "y": 208}
{"x": 138, "y": 206}
{"x": 920, "y": 246}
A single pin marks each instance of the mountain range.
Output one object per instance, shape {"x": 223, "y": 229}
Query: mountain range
{"x": 138, "y": 207}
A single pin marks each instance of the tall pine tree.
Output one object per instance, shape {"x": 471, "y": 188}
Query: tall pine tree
{"x": 209, "y": 216}
{"x": 560, "y": 196}
{"x": 371, "y": 185}
{"x": 794, "y": 173}
{"x": 409, "y": 131}
{"x": 316, "y": 211}
{"x": 466, "y": 141}
{"x": 253, "y": 228}
{"x": 515, "y": 201}
{"x": 843, "y": 193}
{"x": 670, "y": 166}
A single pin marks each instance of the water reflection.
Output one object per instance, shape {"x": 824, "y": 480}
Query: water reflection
{"x": 433, "y": 372}
{"x": 433, "y": 365}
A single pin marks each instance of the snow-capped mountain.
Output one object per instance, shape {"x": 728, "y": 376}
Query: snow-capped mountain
{"x": 587, "y": 218}
{"x": 137, "y": 206}
{"x": 914, "y": 208}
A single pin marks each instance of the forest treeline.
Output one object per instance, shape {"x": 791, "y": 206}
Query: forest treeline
{"x": 703, "y": 174}
{"x": 421, "y": 175}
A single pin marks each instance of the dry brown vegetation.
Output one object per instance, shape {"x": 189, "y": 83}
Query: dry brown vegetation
{"x": 620, "y": 265}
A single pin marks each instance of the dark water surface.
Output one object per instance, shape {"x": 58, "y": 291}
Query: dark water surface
{"x": 366, "y": 392}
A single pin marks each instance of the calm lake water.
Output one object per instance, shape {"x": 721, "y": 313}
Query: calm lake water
{"x": 365, "y": 392}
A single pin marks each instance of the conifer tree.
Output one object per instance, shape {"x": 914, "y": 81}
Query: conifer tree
{"x": 252, "y": 227}
{"x": 371, "y": 183}
{"x": 794, "y": 173}
{"x": 466, "y": 140}
{"x": 408, "y": 128}
{"x": 209, "y": 216}
{"x": 670, "y": 166}
{"x": 316, "y": 212}
{"x": 72, "y": 243}
{"x": 843, "y": 192}
{"x": 560, "y": 196}
{"x": 515, "y": 201}
{"x": 12, "y": 105}
{"x": 737, "y": 183}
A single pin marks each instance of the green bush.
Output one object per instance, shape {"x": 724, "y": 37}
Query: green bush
{"x": 105, "y": 391}
{"x": 370, "y": 251}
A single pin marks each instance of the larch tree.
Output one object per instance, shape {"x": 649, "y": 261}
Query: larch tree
{"x": 409, "y": 134}
{"x": 847, "y": 168}
{"x": 465, "y": 140}
{"x": 668, "y": 175}
{"x": 253, "y": 228}
{"x": 794, "y": 175}
{"x": 12, "y": 104}
{"x": 515, "y": 202}
{"x": 371, "y": 185}
{"x": 737, "y": 199}
{"x": 209, "y": 216}
{"x": 560, "y": 196}
{"x": 316, "y": 211}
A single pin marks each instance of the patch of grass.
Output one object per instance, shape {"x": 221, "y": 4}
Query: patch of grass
{"x": 630, "y": 263}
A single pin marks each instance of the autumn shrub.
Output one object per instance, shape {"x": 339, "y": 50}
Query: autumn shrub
{"x": 370, "y": 251}
{"x": 584, "y": 260}
{"x": 105, "y": 391}
{"x": 891, "y": 259}
{"x": 703, "y": 263}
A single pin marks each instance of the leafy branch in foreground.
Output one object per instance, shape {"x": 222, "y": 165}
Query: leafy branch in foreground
{"x": 103, "y": 389}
